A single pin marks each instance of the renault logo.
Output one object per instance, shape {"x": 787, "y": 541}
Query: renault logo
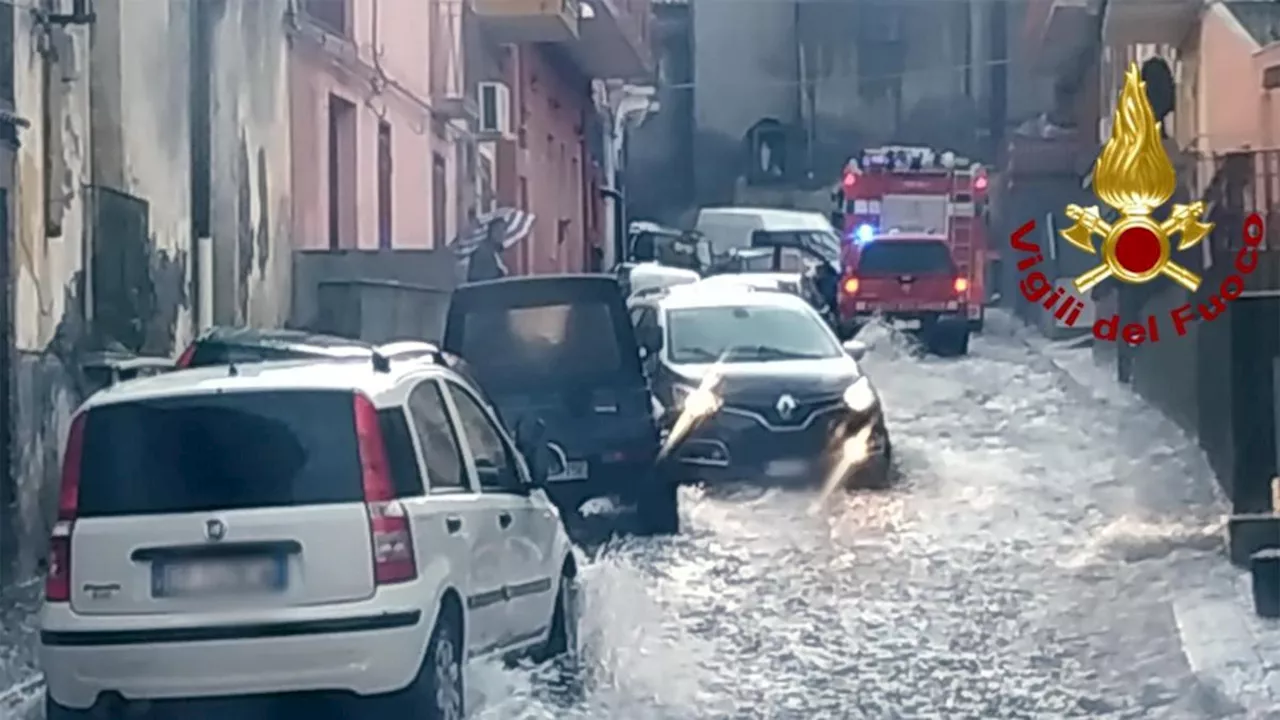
{"x": 786, "y": 405}
{"x": 215, "y": 530}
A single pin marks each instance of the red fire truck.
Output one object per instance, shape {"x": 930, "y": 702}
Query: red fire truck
{"x": 921, "y": 193}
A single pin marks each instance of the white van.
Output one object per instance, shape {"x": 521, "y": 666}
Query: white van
{"x": 730, "y": 228}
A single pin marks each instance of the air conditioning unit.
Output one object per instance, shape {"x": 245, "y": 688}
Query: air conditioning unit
{"x": 495, "y": 109}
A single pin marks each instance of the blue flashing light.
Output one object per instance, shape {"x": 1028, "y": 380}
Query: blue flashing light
{"x": 864, "y": 234}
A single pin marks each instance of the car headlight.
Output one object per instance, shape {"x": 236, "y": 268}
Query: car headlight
{"x": 698, "y": 400}
{"x": 680, "y": 394}
{"x": 860, "y": 396}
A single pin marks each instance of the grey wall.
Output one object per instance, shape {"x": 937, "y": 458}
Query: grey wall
{"x": 744, "y": 70}
{"x": 342, "y": 270}
{"x": 876, "y": 72}
{"x": 659, "y": 168}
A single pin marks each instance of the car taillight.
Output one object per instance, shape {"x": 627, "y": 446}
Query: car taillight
{"x": 851, "y": 286}
{"x": 961, "y": 285}
{"x": 184, "y": 360}
{"x": 57, "y": 586}
{"x": 389, "y": 530}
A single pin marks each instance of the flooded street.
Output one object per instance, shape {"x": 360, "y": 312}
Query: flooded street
{"x": 1036, "y": 561}
{"x": 1027, "y": 566}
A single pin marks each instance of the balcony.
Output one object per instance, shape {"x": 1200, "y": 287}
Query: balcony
{"x": 613, "y": 40}
{"x": 1243, "y": 182}
{"x": 1130, "y": 22}
{"x": 529, "y": 21}
{"x": 1058, "y": 30}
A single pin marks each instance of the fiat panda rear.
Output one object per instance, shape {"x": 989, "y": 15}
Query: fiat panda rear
{"x": 214, "y": 534}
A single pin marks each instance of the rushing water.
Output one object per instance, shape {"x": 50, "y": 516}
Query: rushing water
{"x": 1024, "y": 568}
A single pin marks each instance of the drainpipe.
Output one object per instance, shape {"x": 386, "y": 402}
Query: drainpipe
{"x": 614, "y": 247}
{"x": 628, "y": 104}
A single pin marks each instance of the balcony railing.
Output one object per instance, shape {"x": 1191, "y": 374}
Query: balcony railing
{"x": 1244, "y": 182}
{"x": 1241, "y": 183}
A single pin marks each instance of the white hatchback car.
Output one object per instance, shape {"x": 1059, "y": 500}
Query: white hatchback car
{"x": 350, "y": 532}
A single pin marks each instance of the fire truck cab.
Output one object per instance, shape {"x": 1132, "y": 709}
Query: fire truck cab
{"x": 917, "y": 199}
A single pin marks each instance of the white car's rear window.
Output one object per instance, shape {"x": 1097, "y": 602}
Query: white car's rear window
{"x": 200, "y": 453}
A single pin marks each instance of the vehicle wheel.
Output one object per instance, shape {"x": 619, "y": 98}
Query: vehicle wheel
{"x": 54, "y": 711}
{"x": 659, "y": 510}
{"x": 976, "y": 326}
{"x": 949, "y": 340}
{"x": 878, "y": 474}
{"x": 438, "y": 692}
{"x": 563, "y": 646}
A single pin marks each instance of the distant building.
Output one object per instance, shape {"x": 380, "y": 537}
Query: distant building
{"x": 781, "y": 93}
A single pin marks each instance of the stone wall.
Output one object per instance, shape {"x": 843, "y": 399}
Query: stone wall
{"x": 130, "y": 157}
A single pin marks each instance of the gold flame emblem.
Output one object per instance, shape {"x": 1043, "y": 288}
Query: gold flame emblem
{"x": 1134, "y": 175}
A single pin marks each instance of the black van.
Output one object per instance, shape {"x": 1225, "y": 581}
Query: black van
{"x": 561, "y": 349}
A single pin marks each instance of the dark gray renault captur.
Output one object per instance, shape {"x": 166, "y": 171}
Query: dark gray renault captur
{"x": 790, "y": 395}
{"x": 558, "y": 349}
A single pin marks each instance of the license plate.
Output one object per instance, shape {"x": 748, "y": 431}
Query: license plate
{"x": 205, "y": 578}
{"x": 573, "y": 470}
{"x": 786, "y": 468}
{"x": 906, "y": 324}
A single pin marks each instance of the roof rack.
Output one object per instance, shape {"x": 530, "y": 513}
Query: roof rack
{"x": 410, "y": 347}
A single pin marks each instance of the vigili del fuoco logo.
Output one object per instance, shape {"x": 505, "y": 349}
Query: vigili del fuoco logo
{"x": 1134, "y": 176}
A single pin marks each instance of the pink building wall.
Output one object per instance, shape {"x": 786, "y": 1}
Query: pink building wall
{"x": 1228, "y": 103}
{"x": 1268, "y": 100}
{"x": 401, "y": 29}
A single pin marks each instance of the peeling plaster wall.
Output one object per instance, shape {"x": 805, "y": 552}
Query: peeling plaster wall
{"x": 249, "y": 159}
{"x": 48, "y": 226}
{"x": 142, "y": 148}
{"x": 104, "y": 212}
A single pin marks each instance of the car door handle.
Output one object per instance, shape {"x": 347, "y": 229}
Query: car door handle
{"x": 504, "y": 519}
{"x": 453, "y": 525}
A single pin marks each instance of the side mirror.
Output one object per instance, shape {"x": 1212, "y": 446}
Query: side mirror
{"x": 649, "y": 338}
{"x": 531, "y": 441}
{"x": 855, "y": 348}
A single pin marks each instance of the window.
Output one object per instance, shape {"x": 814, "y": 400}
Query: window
{"x": 495, "y": 468}
{"x": 201, "y": 453}
{"x": 439, "y": 200}
{"x": 384, "y": 184}
{"x": 330, "y": 14}
{"x": 400, "y": 453}
{"x": 638, "y": 315}
{"x": 748, "y": 334}
{"x": 561, "y": 345}
{"x": 911, "y": 257}
{"x": 435, "y": 435}
{"x": 342, "y": 166}
{"x": 648, "y": 318}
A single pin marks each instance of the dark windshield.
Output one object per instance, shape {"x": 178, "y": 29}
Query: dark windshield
{"x": 199, "y": 453}
{"x": 747, "y": 334}
{"x": 906, "y": 258}
{"x": 566, "y": 344}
